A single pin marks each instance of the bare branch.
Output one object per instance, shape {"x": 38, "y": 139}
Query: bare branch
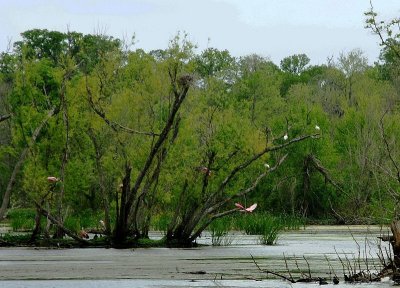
{"x": 257, "y": 156}
{"x": 228, "y": 199}
{"x": 114, "y": 125}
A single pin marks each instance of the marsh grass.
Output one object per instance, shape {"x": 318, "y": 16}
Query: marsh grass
{"x": 219, "y": 230}
{"x": 267, "y": 226}
{"x": 22, "y": 219}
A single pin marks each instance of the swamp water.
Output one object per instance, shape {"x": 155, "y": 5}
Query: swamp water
{"x": 320, "y": 249}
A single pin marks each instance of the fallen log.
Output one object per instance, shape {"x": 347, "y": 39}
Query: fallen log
{"x": 53, "y": 220}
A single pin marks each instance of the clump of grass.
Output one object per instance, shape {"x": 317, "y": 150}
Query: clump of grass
{"x": 291, "y": 222}
{"x": 219, "y": 232}
{"x": 22, "y": 219}
{"x": 268, "y": 227}
{"x": 271, "y": 229}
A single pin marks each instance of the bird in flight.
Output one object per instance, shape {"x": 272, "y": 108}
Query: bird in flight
{"x": 248, "y": 209}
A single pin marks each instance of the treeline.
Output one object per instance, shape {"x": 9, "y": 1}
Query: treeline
{"x": 182, "y": 135}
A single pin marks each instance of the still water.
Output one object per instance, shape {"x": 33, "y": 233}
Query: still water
{"x": 321, "y": 250}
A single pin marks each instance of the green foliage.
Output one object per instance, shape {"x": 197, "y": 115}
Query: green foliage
{"x": 112, "y": 104}
{"x": 22, "y": 219}
{"x": 295, "y": 64}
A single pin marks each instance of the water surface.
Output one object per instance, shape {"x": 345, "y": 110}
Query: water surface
{"x": 319, "y": 249}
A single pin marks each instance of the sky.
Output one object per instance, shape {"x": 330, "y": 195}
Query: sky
{"x": 270, "y": 28}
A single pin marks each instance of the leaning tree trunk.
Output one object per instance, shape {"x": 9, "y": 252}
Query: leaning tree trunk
{"x": 18, "y": 165}
{"x": 128, "y": 197}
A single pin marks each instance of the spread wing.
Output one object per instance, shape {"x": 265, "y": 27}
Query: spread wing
{"x": 251, "y": 208}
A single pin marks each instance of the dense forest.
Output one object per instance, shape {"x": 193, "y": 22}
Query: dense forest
{"x": 91, "y": 125}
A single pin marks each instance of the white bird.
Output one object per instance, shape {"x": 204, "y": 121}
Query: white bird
{"x": 266, "y": 165}
{"x": 317, "y": 127}
{"x": 102, "y": 224}
{"x": 285, "y": 137}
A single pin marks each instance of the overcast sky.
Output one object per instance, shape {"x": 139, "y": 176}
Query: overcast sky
{"x": 272, "y": 28}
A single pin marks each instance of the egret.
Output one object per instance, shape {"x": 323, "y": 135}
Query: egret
{"x": 317, "y": 127}
{"x": 285, "y": 137}
{"x": 102, "y": 224}
{"x": 266, "y": 165}
{"x": 248, "y": 209}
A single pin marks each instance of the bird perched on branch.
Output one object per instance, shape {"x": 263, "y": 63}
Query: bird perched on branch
{"x": 246, "y": 210}
{"x": 204, "y": 170}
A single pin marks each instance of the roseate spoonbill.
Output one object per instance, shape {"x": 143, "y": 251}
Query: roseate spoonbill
{"x": 248, "y": 209}
{"x": 285, "y": 137}
{"x": 205, "y": 170}
{"x": 83, "y": 234}
{"x": 317, "y": 127}
{"x": 52, "y": 179}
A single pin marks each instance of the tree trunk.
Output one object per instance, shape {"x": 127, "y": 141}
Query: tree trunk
{"x": 128, "y": 197}
{"x": 395, "y": 227}
{"x": 102, "y": 185}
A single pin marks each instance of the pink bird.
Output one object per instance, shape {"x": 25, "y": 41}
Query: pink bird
{"x": 204, "y": 170}
{"x": 52, "y": 179}
{"x": 248, "y": 209}
{"x": 83, "y": 234}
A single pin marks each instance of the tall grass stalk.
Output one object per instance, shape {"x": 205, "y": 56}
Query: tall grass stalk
{"x": 219, "y": 230}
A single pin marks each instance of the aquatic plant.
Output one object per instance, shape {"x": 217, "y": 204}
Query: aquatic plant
{"x": 219, "y": 230}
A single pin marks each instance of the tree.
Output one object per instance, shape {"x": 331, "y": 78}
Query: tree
{"x": 352, "y": 64}
{"x": 295, "y": 64}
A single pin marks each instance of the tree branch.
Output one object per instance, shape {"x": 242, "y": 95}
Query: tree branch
{"x": 4, "y": 117}
{"x": 257, "y": 156}
{"x": 18, "y": 165}
{"x": 114, "y": 125}
{"x": 226, "y": 200}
